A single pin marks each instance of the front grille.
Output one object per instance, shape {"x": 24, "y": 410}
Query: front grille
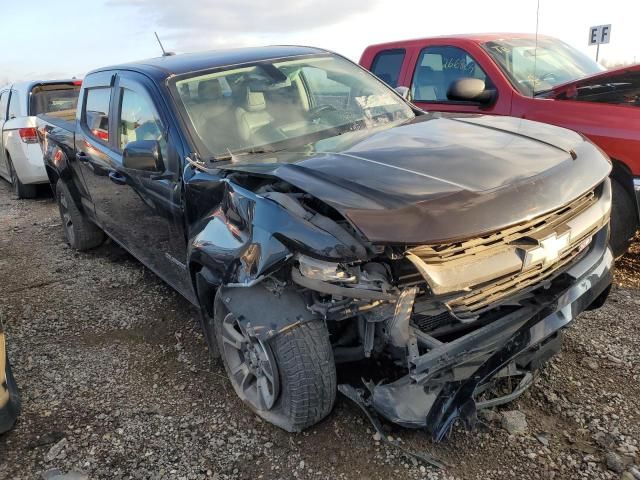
{"x": 457, "y": 250}
{"x": 474, "y": 275}
{"x": 480, "y": 298}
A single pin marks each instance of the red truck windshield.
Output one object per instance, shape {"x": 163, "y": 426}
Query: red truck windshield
{"x": 534, "y": 69}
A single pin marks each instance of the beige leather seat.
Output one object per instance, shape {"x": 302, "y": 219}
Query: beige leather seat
{"x": 210, "y": 105}
{"x": 252, "y": 117}
{"x": 213, "y": 117}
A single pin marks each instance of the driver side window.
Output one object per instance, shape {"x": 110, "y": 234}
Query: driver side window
{"x": 138, "y": 120}
{"x": 437, "y": 68}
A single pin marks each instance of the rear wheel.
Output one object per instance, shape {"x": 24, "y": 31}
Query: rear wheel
{"x": 10, "y": 411}
{"x": 80, "y": 232}
{"x": 623, "y": 219}
{"x": 19, "y": 189}
{"x": 289, "y": 381}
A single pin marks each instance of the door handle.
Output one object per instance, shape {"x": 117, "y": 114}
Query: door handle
{"x": 82, "y": 157}
{"x": 117, "y": 178}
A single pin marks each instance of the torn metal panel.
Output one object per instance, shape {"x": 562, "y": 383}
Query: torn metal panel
{"x": 266, "y": 310}
{"x": 443, "y": 382}
{"x": 247, "y": 235}
{"x": 356, "y": 397}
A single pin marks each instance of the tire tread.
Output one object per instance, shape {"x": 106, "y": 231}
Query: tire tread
{"x": 307, "y": 373}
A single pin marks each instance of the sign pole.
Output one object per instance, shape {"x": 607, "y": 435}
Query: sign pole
{"x": 599, "y": 34}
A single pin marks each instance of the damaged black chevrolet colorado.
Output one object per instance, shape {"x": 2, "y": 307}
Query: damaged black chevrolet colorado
{"x": 316, "y": 218}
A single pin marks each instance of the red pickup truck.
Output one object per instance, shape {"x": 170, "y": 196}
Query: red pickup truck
{"x": 547, "y": 81}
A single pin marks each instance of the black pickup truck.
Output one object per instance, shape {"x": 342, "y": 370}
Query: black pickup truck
{"x": 317, "y": 218}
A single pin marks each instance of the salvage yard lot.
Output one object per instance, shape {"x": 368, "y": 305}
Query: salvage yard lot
{"x": 116, "y": 382}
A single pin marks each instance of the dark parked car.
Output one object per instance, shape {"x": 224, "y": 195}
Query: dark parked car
{"x": 316, "y": 218}
{"x": 9, "y": 397}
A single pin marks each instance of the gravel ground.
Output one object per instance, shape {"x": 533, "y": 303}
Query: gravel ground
{"x": 117, "y": 383}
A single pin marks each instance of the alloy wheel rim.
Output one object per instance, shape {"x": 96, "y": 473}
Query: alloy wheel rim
{"x": 67, "y": 223}
{"x": 252, "y": 367}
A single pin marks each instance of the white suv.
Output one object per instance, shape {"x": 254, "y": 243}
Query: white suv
{"x": 20, "y": 155}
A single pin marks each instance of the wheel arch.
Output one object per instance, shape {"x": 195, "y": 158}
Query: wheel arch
{"x": 53, "y": 176}
{"x": 621, "y": 173}
{"x": 205, "y": 283}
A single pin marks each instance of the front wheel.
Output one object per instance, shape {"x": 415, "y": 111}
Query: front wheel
{"x": 289, "y": 381}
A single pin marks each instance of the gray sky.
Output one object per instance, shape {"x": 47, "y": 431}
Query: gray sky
{"x": 41, "y": 39}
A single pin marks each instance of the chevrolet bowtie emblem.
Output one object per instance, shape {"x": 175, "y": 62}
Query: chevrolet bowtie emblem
{"x": 548, "y": 250}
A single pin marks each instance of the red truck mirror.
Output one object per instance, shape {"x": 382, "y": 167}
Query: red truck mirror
{"x": 470, "y": 90}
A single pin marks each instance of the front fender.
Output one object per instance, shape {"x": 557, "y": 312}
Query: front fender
{"x": 248, "y": 236}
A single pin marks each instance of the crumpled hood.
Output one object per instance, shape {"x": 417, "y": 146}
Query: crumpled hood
{"x": 442, "y": 177}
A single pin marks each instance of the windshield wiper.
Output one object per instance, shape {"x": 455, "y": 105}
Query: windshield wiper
{"x": 542, "y": 92}
{"x": 231, "y": 155}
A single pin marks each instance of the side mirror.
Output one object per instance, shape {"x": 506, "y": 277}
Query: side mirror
{"x": 143, "y": 155}
{"x": 404, "y": 92}
{"x": 470, "y": 90}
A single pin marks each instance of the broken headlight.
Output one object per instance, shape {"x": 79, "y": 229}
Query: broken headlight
{"x": 324, "y": 271}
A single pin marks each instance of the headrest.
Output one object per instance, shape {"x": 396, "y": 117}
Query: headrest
{"x": 255, "y": 101}
{"x": 209, "y": 90}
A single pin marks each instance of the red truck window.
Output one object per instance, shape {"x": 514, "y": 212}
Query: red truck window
{"x": 437, "y": 68}
{"x": 387, "y": 64}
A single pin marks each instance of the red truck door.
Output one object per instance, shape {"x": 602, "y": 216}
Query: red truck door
{"x": 434, "y": 67}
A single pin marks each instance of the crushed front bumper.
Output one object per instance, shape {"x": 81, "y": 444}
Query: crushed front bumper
{"x": 443, "y": 383}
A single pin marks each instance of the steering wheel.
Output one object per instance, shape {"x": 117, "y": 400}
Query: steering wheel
{"x": 316, "y": 111}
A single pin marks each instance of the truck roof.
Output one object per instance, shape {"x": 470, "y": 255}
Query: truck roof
{"x": 469, "y": 37}
{"x": 162, "y": 67}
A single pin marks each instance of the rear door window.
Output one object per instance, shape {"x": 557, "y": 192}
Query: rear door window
{"x": 437, "y": 68}
{"x": 96, "y": 112}
{"x": 387, "y": 65}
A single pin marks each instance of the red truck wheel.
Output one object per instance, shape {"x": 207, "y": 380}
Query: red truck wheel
{"x": 623, "y": 219}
